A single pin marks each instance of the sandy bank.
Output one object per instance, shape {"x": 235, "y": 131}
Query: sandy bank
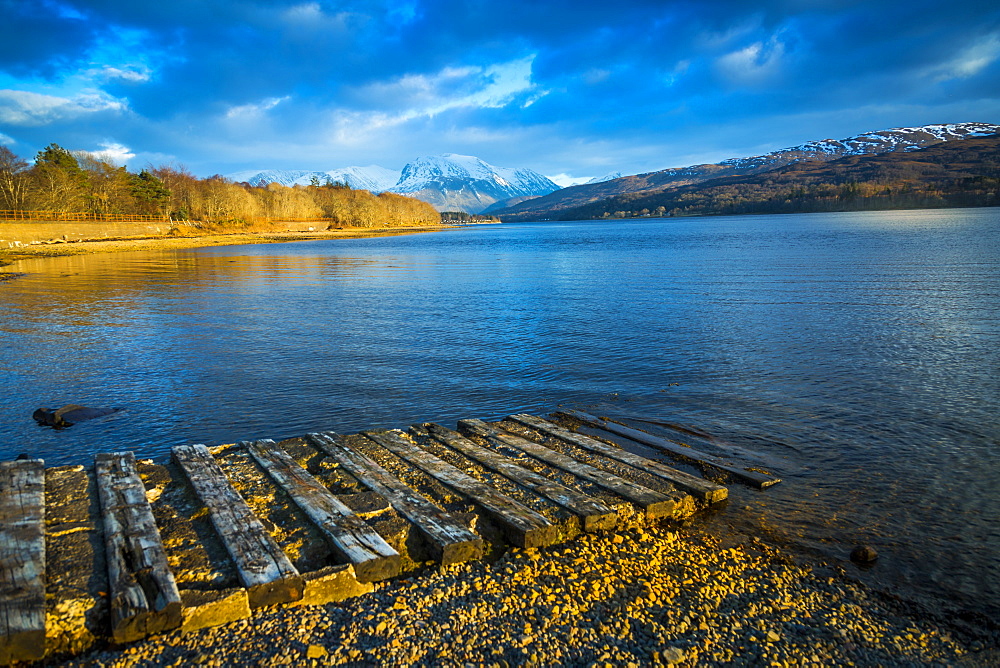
{"x": 11, "y": 255}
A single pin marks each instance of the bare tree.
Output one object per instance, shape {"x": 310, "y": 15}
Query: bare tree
{"x": 13, "y": 180}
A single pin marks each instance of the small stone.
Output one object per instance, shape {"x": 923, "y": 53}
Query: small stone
{"x": 672, "y": 655}
{"x": 864, "y": 554}
{"x": 773, "y": 637}
{"x": 315, "y": 652}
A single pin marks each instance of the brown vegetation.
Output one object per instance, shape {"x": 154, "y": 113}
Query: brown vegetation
{"x": 61, "y": 181}
{"x": 950, "y": 174}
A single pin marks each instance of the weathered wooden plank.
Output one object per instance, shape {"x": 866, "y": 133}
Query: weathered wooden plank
{"x": 144, "y": 595}
{"x": 22, "y": 560}
{"x": 751, "y": 478}
{"x": 352, "y": 539}
{"x": 449, "y": 540}
{"x": 654, "y": 504}
{"x": 264, "y": 569}
{"x": 523, "y": 526}
{"x": 704, "y": 490}
{"x": 594, "y": 515}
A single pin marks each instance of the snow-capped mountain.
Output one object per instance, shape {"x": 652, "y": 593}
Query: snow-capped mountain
{"x": 868, "y": 143}
{"x": 374, "y": 178}
{"x": 881, "y": 141}
{"x": 607, "y": 177}
{"x": 450, "y": 182}
{"x": 466, "y": 183}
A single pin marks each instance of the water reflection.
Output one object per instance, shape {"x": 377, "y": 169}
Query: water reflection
{"x": 854, "y": 353}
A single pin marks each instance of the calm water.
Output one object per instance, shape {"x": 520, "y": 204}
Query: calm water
{"x": 858, "y": 355}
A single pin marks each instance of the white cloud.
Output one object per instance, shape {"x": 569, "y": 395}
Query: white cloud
{"x": 972, "y": 60}
{"x": 453, "y": 87}
{"x": 23, "y": 108}
{"x": 310, "y": 17}
{"x": 753, "y": 64}
{"x": 426, "y": 96}
{"x": 246, "y": 111}
{"x": 113, "y": 152}
{"x": 131, "y": 73}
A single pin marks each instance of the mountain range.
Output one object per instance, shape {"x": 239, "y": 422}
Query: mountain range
{"x": 452, "y": 182}
{"x": 557, "y": 204}
{"x": 449, "y": 182}
{"x": 946, "y": 174}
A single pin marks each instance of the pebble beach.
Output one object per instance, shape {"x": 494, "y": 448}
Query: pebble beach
{"x": 652, "y": 596}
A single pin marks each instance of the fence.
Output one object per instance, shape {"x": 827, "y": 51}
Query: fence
{"x": 89, "y": 217}
{"x": 80, "y": 217}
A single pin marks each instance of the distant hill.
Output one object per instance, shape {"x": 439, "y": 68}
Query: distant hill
{"x": 558, "y": 203}
{"x": 946, "y": 174}
{"x": 449, "y": 182}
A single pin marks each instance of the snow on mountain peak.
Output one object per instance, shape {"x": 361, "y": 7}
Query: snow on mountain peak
{"x": 868, "y": 143}
{"x": 452, "y": 181}
{"x": 374, "y": 178}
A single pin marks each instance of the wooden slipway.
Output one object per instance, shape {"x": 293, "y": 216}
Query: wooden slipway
{"x": 126, "y": 548}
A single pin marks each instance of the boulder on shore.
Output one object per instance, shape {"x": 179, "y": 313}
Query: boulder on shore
{"x": 69, "y": 415}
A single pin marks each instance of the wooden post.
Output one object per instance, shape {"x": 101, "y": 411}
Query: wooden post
{"x": 523, "y": 526}
{"x": 751, "y": 478}
{"x": 22, "y": 560}
{"x": 594, "y": 515}
{"x": 144, "y": 595}
{"x": 706, "y": 491}
{"x": 352, "y": 539}
{"x": 450, "y": 542}
{"x": 655, "y": 504}
{"x": 263, "y": 567}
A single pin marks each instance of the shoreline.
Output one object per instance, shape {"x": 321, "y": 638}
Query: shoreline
{"x": 655, "y": 596}
{"x": 9, "y": 256}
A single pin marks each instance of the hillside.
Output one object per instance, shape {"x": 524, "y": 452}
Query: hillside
{"x": 947, "y": 174}
{"x": 556, "y": 204}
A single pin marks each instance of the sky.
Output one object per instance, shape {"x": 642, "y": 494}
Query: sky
{"x": 571, "y": 89}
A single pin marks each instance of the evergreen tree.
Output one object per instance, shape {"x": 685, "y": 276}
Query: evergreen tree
{"x": 151, "y": 195}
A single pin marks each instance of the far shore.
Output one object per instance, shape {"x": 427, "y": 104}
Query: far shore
{"x": 157, "y": 243}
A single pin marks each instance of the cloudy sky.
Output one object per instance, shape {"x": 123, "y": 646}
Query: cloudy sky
{"x": 572, "y": 89}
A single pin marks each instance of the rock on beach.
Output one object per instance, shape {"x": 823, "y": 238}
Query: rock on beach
{"x": 659, "y": 597}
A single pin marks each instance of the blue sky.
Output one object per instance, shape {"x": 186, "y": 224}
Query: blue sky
{"x": 570, "y": 89}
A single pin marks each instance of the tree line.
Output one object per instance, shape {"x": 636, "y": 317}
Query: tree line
{"x": 62, "y": 180}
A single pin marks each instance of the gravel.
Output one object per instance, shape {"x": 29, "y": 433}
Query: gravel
{"x": 653, "y": 596}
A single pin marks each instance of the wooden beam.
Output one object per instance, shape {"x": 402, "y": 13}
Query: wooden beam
{"x": 22, "y": 560}
{"x": 449, "y": 541}
{"x": 352, "y": 539}
{"x": 144, "y": 596}
{"x": 263, "y": 568}
{"x": 594, "y": 515}
{"x": 751, "y": 478}
{"x": 523, "y": 526}
{"x": 706, "y": 491}
{"x": 654, "y": 504}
